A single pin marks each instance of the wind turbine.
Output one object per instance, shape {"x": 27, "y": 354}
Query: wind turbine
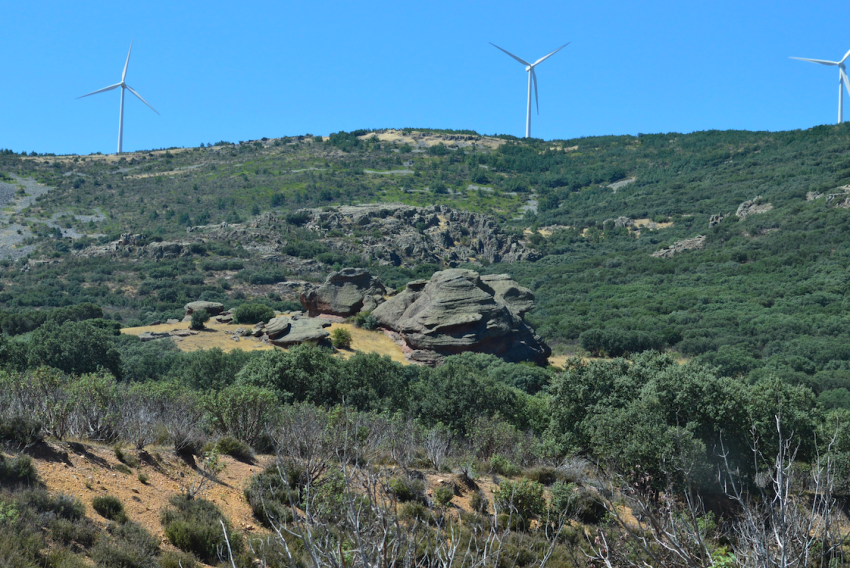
{"x": 124, "y": 86}
{"x": 532, "y": 78}
{"x": 842, "y": 78}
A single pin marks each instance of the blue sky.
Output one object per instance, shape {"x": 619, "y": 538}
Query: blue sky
{"x": 244, "y": 70}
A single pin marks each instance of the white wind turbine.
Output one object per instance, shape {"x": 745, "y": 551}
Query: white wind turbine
{"x": 842, "y": 78}
{"x": 532, "y": 78}
{"x": 124, "y": 86}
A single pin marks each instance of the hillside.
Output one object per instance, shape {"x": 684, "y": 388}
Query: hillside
{"x": 762, "y": 293}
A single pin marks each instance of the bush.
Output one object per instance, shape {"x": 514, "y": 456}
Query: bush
{"x": 17, "y": 470}
{"x": 61, "y": 505}
{"x": 479, "y": 503}
{"x": 131, "y": 546}
{"x": 199, "y": 318}
{"x": 543, "y": 474}
{"x": 503, "y": 466}
{"x": 341, "y": 338}
{"x": 252, "y": 313}
{"x": 271, "y": 492}
{"x": 524, "y": 498}
{"x": 109, "y": 507}
{"x": 20, "y": 431}
{"x": 195, "y": 526}
{"x": 365, "y": 320}
{"x": 407, "y": 490}
{"x": 230, "y": 446}
{"x": 443, "y": 495}
{"x": 173, "y": 559}
{"x": 75, "y": 348}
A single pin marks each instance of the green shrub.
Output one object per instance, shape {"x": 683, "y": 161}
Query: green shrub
{"x": 143, "y": 479}
{"x": 543, "y": 474}
{"x": 75, "y": 348}
{"x": 252, "y": 313}
{"x": 17, "y": 470}
{"x": 367, "y": 321}
{"x": 195, "y": 526}
{"x": 415, "y": 511}
{"x": 479, "y": 503}
{"x": 61, "y": 505}
{"x": 81, "y": 532}
{"x": 130, "y": 546}
{"x": 407, "y": 490}
{"x": 341, "y": 338}
{"x": 230, "y": 446}
{"x": 524, "y": 498}
{"x": 271, "y": 492}
{"x": 443, "y": 495}
{"x": 125, "y": 458}
{"x": 503, "y": 466}
{"x": 20, "y": 431}
{"x": 173, "y": 559}
{"x": 109, "y": 507}
{"x": 199, "y": 318}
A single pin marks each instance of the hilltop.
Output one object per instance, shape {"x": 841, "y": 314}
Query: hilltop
{"x": 727, "y": 246}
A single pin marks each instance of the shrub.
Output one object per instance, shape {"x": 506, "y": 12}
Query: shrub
{"x": 523, "y": 497}
{"x": 75, "y": 348}
{"x": 252, "y": 313}
{"x": 543, "y": 474}
{"x": 199, "y": 318}
{"x": 407, "y": 490}
{"x": 131, "y": 546}
{"x": 17, "y": 470}
{"x": 271, "y": 492}
{"x": 61, "y": 505}
{"x": 341, "y": 338}
{"x": 125, "y": 458}
{"x": 367, "y": 321}
{"x": 109, "y": 507}
{"x": 195, "y": 526}
{"x": 503, "y": 466}
{"x": 173, "y": 559}
{"x": 230, "y": 446}
{"x": 443, "y": 495}
{"x": 20, "y": 431}
{"x": 479, "y": 503}
{"x": 415, "y": 511}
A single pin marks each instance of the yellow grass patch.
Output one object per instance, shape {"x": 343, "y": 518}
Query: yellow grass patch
{"x": 216, "y": 336}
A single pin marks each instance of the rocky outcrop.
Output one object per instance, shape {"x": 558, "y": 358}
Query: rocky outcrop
{"x": 681, "y": 246}
{"x": 459, "y": 310}
{"x": 285, "y": 331}
{"x": 714, "y": 220}
{"x": 212, "y": 308}
{"x": 344, "y": 293}
{"x": 753, "y": 207}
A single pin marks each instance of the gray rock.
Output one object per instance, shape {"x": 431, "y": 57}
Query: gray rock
{"x": 753, "y": 207}
{"x": 277, "y": 326}
{"x": 305, "y": 329}
{"x": 344, "y": 293}
{"x": 681, "y": 246}
{"x": 152, "y": 335}
{"x": 459, "y": 311}
{"x": 212, "y": 308}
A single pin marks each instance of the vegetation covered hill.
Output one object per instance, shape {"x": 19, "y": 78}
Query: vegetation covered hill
{"x": 765, "y": 293}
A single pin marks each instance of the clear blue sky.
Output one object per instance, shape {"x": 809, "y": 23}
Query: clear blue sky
{"x": 243, "y": 70}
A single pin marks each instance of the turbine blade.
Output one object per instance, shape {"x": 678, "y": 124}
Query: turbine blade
{"x": 103, "y": 90}
{"x": 141, "y": 99}
{"x": 526, "y": 63}
{"x": 821, "y": 61}
{"x": 126, "y": 63}
{"x": 551, "y": 54}
{"x": 845, "y": 80}
{"x": 846, "y": 55}
{"x": 534, "y": 79}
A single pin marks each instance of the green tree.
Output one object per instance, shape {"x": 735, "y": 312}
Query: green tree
{"x": 75, "y": 348}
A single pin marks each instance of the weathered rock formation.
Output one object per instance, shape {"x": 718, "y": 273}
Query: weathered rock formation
{"x": 284, "y": 331}
{"x": 459, "y": 310}
{"x": 212, "y": 308}
{"x": 344, "y": 293}
{"x": 681, "y": 246}
{"x": 752, "y": 207}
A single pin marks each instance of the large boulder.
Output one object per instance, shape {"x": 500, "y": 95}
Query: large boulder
{"x": 212, "y": 308}
{"x": 459, "y": 310}
{"x": 344, "y": 293}
{"x": 301, "y": 330}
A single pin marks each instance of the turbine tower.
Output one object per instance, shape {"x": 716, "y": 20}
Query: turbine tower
{"x": 842, "y": 78}
{"x": 532, "y": 78}
{"x": 124, "y": 86}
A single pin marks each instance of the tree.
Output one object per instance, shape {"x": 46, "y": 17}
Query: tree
{"x": 252, "y": 313}
{"x": 199, "y": 318}
{"x": 75, "y": 348}
{"x": 341, "y": 338}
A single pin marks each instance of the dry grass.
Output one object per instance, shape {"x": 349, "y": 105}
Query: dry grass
{"x": 216, "y": 336}
{"x": 429, "y": 139}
